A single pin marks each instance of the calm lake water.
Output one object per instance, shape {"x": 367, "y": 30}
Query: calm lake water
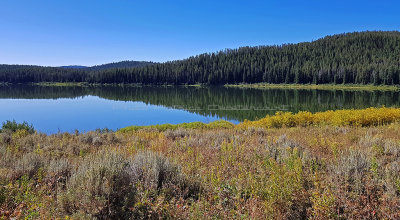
{"x": 60, "y": 109}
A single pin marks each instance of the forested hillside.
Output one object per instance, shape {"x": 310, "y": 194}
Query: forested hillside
{"x": 361, "y": 57}
{"x": 122, "y": 64}
{"x": 74, "y": 67}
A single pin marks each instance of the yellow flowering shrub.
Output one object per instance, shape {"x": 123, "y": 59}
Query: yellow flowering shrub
{"x": 351, "y": 117}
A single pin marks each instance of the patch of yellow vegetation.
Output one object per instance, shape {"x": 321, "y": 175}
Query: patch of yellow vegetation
{"x": 351, "y": 117}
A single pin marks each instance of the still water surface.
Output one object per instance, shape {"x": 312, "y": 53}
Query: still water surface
{"x": 60, "y": 109}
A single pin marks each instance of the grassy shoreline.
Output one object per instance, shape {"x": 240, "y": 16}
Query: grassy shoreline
{"x": 353, "y": 87}
{"x": 279, "y": 167}
{"x": 315, "y": 86}
{"x": 84, "y": 84}
{"x": 345, "y": 117}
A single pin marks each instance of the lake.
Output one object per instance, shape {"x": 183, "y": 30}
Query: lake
{"x": 53, "y": 109}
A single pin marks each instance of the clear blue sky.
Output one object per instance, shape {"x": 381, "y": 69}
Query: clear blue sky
{"x": 89, "y": 32}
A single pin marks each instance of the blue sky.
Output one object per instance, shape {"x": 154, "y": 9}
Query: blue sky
{"x": 89, "y": 32}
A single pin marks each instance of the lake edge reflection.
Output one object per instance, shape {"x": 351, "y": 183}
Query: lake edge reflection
{"x": 211, "y": 103}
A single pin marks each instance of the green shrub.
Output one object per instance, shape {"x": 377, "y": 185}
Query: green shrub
{"x": 220, "y": 124}
{"x": 191, "y": 125}
{"x": 13, "y": 126}
{"x": 282, "y": 191}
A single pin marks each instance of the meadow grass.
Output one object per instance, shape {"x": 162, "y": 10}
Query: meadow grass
{"x": 330, "y": 165}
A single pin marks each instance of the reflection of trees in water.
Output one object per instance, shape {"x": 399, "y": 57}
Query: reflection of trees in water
{"x": 230, "y": 103}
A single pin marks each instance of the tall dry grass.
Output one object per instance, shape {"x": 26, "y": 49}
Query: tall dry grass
{"x": 330, "y": 171}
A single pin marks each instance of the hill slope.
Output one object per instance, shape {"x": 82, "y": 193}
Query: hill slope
{"x": 122, "y": 64}
{"x": 360, "y": 57}
{"x": 74, "y": 67}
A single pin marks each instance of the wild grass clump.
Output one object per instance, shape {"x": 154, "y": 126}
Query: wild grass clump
{"x": 101, "y": 187}
{"x": 391, "y": 148}
{"x": 178, "y": 133}
{"x": 58, "y": 170}
{"x": 156, "y": 173}
{"x": 255, "y": 131}
{"x": 108, "y": 185}
{"x": 392, "y": 178}
{"x": 284, "y": 148}
{"x": 29, "y": 165}
{"x": 96, "y": 138}
{"x": 6, "y": 137}
{"x": 87, "y": 138}
{"x": 353, "y": 166}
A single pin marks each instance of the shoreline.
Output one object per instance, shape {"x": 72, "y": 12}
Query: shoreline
{"x": 360, "y": 87}
{"x": 366, "y": 117}
{"x": 316, "y": 86}
{"x": 84, "y": 84}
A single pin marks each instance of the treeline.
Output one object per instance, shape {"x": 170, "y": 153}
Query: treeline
{"x": 360, "y": 57}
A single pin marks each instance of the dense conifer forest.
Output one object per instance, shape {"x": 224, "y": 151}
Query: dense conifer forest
{"x": 359, "y": 57}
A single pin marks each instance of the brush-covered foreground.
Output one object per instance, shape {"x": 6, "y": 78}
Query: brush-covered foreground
{"x": 248, "y": 171}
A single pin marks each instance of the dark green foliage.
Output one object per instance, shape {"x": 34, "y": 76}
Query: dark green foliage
{"x": 360, "y": 57}
{"x": 13, "y": 126}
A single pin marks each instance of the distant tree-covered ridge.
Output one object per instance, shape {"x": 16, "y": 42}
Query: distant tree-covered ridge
{"x": 121, "y": 64}
{"x": 74, "y": 67}
{"x": 371, "y": 57}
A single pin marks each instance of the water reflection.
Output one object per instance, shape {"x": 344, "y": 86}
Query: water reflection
{"x": 93, "y": 107}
